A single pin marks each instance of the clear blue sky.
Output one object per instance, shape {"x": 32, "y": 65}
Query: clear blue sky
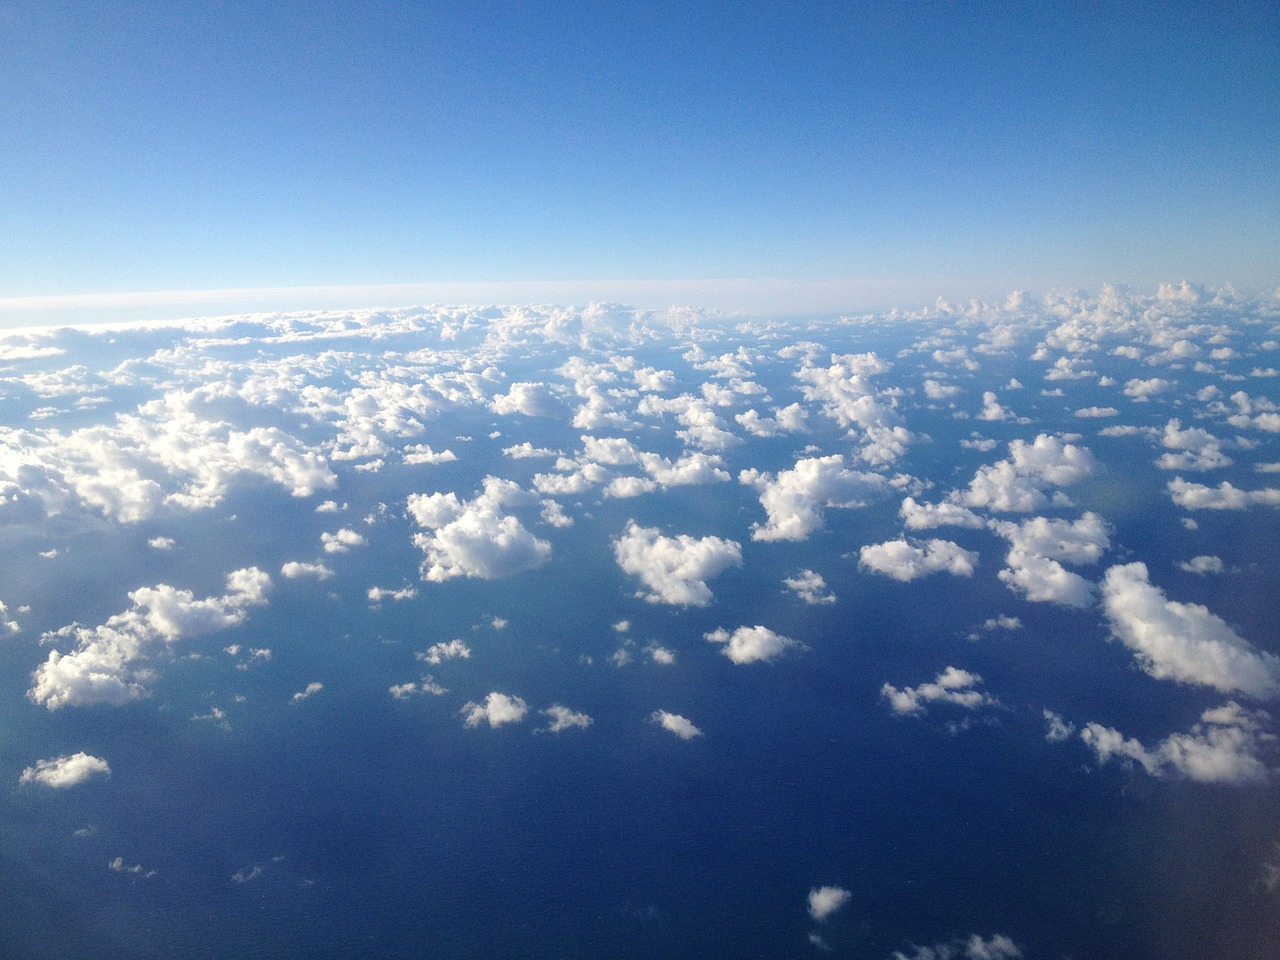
{"x": 947, "y": 148}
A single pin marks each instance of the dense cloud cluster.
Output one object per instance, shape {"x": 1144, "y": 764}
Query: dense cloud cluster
{"x": 1099, "y": 466}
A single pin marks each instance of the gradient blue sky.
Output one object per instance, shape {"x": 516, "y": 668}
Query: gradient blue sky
{"x": 845, "y": 156}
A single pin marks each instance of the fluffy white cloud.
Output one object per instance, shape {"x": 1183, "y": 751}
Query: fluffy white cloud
{"x": 529, "y": 399}
{"x": 1223, "y": 747}
{"x": 903, "y": 560}
{"x": 295, "y": 569}
{"x": 62, "y": 772}
{"x": 675, "y": 723}
{"x": 1141, "y": 389}
{"x": 452, "y": 650}
{"x": 674, "y": 570}
{"x": 377, "y": 594}
{"x": 421, "y": 453}
{"x": 562, "y": 718}
{"x": 825, "y": 901}
{"x": 1202, "y": 564}
{"x": 1183, "y": 642}
{"x": 847, "y": 394}
{"x": 1225, "y": 496}
{"x": 7, "y": 624}
{"x": 810, "y": 587}
{"x": 1036, "y": 548}
{"x": 1197, "y": 448}
{"x": 310, "y": 690}
{"x": 342, "y": 541}
{"x": 793, "y": 500}
{"x": 952, "y": 685}
{"x": 752, "y": 644}
{"x": 108, "y": 664}
{"x": 497, "y": 709}
{"x": 926, "y": 516}
{"x": 475, "y": 538}
{"x": 1018, "y": 484}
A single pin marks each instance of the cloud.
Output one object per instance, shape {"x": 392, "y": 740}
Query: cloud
{"x": 952, "y": 685}
{"x": 439, "y": 652}
{"x": 996, "y": 947}
{"x": 475, "y": 538}
{"x": 1202, "y": 564}
{"x": 906, "y": 561}
{"x": 421, "y": 454}
{"x": 295, "y": 569}
{"x": 675, "y": 723}
{"x": 752, "y": 644}
{"x": 1035, "y": 548}
{"x": 342, "y": 541}
{"x": 60, "y": 773}
{"x": 1222, "y": 748}
{"x": 529, "y": 399}
{"x": 1183, "y": 642}
{"x": 311, "y": 690}
{"x": 794, "y": 499}
{"x": 825, "y": 901}
{"x": 1018, "y": 484}
{"x": 1225, "y": 496}
{"x": 810, "y": 587}
{"x": 497, "y": 709}
{"x": 7, "y": 624}
{"x": 674, "y": 570}
{"x": 562, "y": 718}
{"x": 1097, "y": 412}
{"x": 1142, "y": 390}
{"x": 108, "y": 662}
{"x": 846, "y": 391}
{"x": 926, "y": 516}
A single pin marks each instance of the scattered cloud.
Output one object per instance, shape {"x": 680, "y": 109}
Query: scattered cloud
{"x": 674, "y": 570}
{"x": 675, "y": 723}
{"x": 794, "y": 499}
{"x": 60, "y": 773}
{"x": 952, "y": 686}
{"x": 825, "y": 901}
{"x": 909, "y": 560}
{"x": 562, "y": 718}
{"x": 810, "y": 587}
{"x": 752, "y": 644}
{"x": 497, "y": 710}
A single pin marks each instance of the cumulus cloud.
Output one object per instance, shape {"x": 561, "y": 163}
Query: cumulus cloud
{"x": 452, "y": 650}
{"x": 752, "y": 644}
{"x": 926, "y": 516}
{"x": 562, "y": 718}
{"x": 825, "y": 901}
{"x": 1037, "y": 550}
{"x": 1202, "y": 564}
{"x": 342, "y": 540}
{"x": 295, "y": 569}
{"x": 675, "y": 723}
{"x": 1197, "y": 448}
{"x": 1225, "y": 496}
{"x": 674, "y": 570}
{"x": 952, "y": 685}
{"x": 7, "y": 624}
{"x": 421, "y": 453}
{"x": 529, "y": 399}
{"x": 1142, "y": 390}
{"x": 846, "y": 391}
{"x": 1018, "y": 484}
{"x": 109, "y": 662}
{"x": 810, "y": 587}
{"x": 1223, "y": 747}
{"x": 794, "y": 499}
{"x": 60, "y": 773}
{"x": 496, "y": 710}
{"x": 474, "y": 538}
{"x": 1183, "y": 642}
{"x": 906, "y": 561}
{"x": 310, "y": 690}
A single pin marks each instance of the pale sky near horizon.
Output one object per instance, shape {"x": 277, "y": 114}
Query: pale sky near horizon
{"x": 828, "y": 156}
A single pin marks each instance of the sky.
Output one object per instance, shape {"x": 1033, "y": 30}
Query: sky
{"x": 794, "y": 157}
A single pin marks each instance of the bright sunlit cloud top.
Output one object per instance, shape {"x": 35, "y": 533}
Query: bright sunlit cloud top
{"x": 933, "y": 148}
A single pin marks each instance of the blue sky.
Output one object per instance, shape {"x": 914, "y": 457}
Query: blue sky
{"x": 867, "y": 154}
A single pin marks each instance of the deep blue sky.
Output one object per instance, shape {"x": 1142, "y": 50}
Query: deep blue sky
{"x": 940, "y": 148}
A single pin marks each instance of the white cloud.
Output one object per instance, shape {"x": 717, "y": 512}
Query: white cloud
{"x": 108, "y": 662}
{"x": 810, "y": 587}
{"x": 7, "y": 625}
{"x": 1142, "y": 390}
{"x": 475, "y": 538}
{"x": 1097, "y": 412}
{"x": 421, "y": 453}
{"x": 825, "y": 901}
{"x": 996, "y": 947}
{"x": 674, "y": 570}
{"x": 161, "y": 543}
{"x": 1037, "y": 546}
{"x": 439, "y": 652}
{"x": 295, "y": 569}
{"x": 661, "y": 655}
{"x": 906, "y": 561}
{"x": 1057, "y": 730}
{"x": 675, "y": 723}
{"x": 847, "y": 394}
{"x": 310, "y": 690}
{"x": 1222, "y": 748}
{"x": 342, "y": 541}
{"x": 1202, "y": 564}
{"x": 1017, "y": 485}
{"x": 562, "y": 718}
{"x": 527, "y": 451}
{"x": 63, "y": 772}
{"x": 793, "y": 500}
{"x": 1183, "y": 642}
{"x": 752, "y": 644}
{"x": 377, "y": 594}
{"x": 926, "y": 516}
{"x": 1225, "y": 496}
{"x": 497, "y": 709}
{"x": 1198, "y": 449}
{"x": 952, "y": 685}
{"x": 529, "y": 399}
